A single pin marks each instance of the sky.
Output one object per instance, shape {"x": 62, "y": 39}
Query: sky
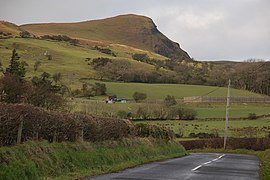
{"x": 206, "y": 29}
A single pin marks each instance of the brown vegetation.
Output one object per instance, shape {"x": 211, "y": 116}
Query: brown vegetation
{"x": 232, "y": 143}
{"x": 37, "y": 124}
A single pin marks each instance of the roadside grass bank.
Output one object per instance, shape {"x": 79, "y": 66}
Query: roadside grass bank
{"x": 264, "y": 157}
{"x": 40, "y": 159}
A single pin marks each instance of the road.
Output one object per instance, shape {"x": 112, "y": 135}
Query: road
{"x": 196, "y": 166}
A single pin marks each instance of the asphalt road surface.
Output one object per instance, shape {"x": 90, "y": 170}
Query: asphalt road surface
{"x": 196, "y": 166}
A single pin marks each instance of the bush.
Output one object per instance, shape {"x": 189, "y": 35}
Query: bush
{"x": 137, "y": 96}
{"x": 123, "y": 114}
{"x": 25, "y": 34}
{"x": 56, "y": 126}
{"x": 252, "y": 116}
{"x": 170, "y": 100}
{"x": 141, "y": 57}
{"x": 147, "y": 130}
{"x": 105, "y": 51}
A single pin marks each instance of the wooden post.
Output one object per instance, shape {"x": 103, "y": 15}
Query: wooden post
{"x": 19, "y": 135}
{"x": 54, "y": 136}
{"x": 227, "y": 115}
{"x": 81, "y": 135}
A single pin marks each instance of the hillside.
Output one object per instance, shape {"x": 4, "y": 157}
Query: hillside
{"x": 68, "y": 59}
{"x": 160, "y": 91}
{"x": 8, "y": 29}
{"x": 132, "y": 30}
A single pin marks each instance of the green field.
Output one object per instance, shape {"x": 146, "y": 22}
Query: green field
{"x": 236, "y": 110}
{"x": 237, "y": 128}
{"x": 160, "y": 91}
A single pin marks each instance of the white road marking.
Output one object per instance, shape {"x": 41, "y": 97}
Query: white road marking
{"x": 194, "y": 169}
{"x": 207, "y": 162}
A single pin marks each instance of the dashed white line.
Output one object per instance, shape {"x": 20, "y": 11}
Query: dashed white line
{"x": 207, "y": 162}
{"x": 194, "y": 169}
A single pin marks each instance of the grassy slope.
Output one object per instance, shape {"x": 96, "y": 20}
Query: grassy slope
{"x": 33, "y": 160}
{"x": 236, "y": 127}
{"x": 133, "y": 30}
{"x": 10, "y": 28}
{"x": 70, "y": 62}
{"x": 159, "y": 91}
{"x": 67, "y": 59}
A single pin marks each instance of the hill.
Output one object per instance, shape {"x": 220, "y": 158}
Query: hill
{"x": 160, "y": 91}
{"x": 68, "y": 59}
{"x": 132, "y": 30}
{"x": 8, "y": 29}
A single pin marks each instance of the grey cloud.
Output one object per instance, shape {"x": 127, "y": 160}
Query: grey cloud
{"x": 208, "y": 29}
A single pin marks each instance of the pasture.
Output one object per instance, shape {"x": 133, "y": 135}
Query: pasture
{"x": 237, "y": 128}
{"x": 160, "y": 91}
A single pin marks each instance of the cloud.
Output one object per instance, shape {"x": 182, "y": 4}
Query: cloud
{"x": 208, "y": 29}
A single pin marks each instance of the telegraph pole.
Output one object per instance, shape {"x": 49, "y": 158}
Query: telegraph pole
{"x": 227, "y": 115}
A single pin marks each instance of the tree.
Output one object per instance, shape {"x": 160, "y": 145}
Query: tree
{"x": 25, "y": 34}
{"x": 11, "y": 89}
{"x": 137, "y": 96}
{"x": 16, "y": 67}
{"x": 169, "y": 101}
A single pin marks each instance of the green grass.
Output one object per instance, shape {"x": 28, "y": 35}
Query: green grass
{"x": 236, "y": 110}
{"x": 237, "y": 128}
{"x": 98, "y": 106}
{"x": 160, "y": 91}
{"x": 264, "y": 157}
{"x": 67, "y": 59}
{"x": 35, "y": 160}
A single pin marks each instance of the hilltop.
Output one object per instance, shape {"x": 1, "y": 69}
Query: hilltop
{"x": 132, "y": 30}
{"x": 8, "y": 29}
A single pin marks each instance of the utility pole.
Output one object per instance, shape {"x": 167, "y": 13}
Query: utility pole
{"x": 227, "y": 115}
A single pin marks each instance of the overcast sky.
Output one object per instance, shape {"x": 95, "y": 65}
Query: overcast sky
{"x": 206, "y": 29}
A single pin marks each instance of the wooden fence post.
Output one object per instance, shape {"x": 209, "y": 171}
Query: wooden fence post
{"x": 81, "y": 135}
{"x": 54, "y": 136}
{"x": 19, "y": 135}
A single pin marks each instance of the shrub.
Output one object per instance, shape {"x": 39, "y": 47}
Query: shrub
{"x": 56, "y": 126}
{"x": 137, "y": 96}
{"x": 141, "y": 57}
{"x": 105, "y": 51}
{"x": 123, "y": 114}
{"x": 190, "y": 114}
{"x": 252, "y": 116}
{"x": 170, "y": 100}
{"x": 25, "y": 34}
{"x": 146, "y": 130}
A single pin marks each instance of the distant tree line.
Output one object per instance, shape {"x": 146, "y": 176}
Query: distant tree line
{"x": 252, "y": 75}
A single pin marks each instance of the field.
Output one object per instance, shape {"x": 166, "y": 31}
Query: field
{"x": 159, "y": 91}
{"x": 67, "y": 59}
{"x": 237, "y": 128}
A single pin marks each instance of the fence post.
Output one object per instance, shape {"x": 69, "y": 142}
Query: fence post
{"x": 81, "y": 135}
{"x": 54, "y": 136}
{"x": 19, "y": 136}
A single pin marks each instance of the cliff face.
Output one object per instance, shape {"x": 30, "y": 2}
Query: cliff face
{"x": 132, "y": 30}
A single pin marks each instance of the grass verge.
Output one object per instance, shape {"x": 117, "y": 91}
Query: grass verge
{"x": 264, "y": 156}
{"x": 35, "y": 160}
